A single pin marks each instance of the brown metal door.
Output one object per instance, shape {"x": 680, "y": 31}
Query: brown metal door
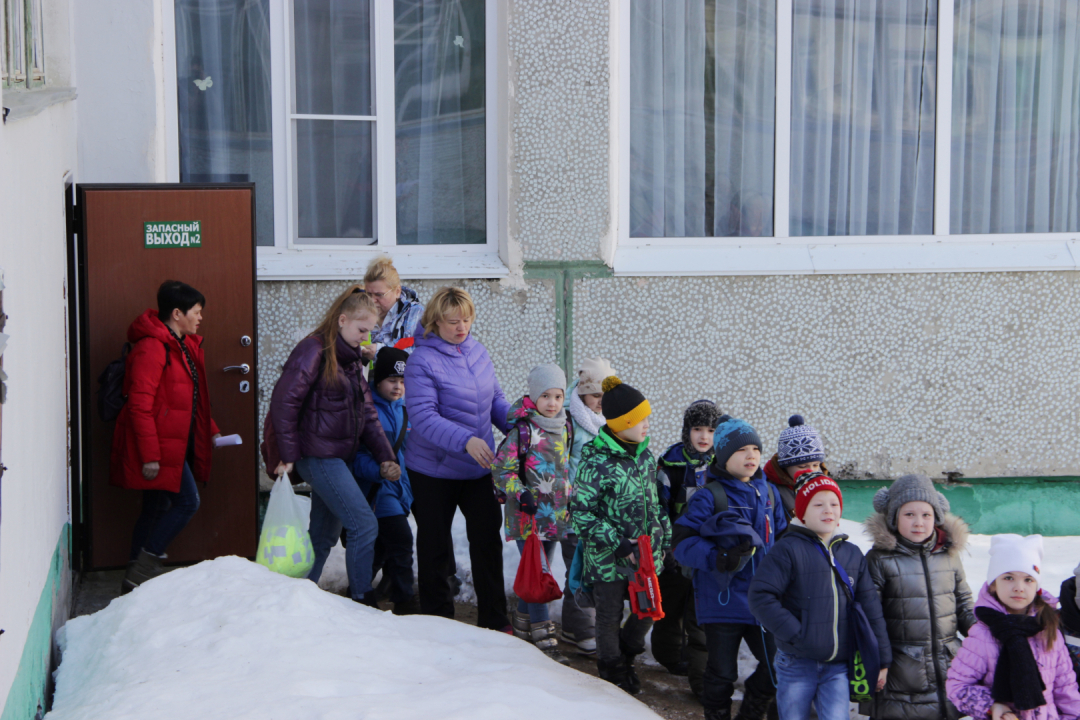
{"x": 121, "y": 269}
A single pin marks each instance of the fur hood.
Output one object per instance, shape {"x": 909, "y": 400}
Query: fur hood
{"x": 956, "y": 533}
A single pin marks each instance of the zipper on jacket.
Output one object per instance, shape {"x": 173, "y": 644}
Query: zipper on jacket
{"x": 836, "y": 606}
{"x": 934, "y": 640}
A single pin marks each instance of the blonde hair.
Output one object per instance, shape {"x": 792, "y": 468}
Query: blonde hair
{"x": 382, "y": 268}
{"x": 351, "y": 303}
{"x": 447, "y": 300}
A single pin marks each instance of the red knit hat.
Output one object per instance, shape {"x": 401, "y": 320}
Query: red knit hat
{"x": 808, "y": 484}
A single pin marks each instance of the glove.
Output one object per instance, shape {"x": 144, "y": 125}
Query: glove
{"x": 670, "y": 564}
{"x": 729, "y": 560}
{"x": 527, "y": 503}
{"x": 626, "y": 547}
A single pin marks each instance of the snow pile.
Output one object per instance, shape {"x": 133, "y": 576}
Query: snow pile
{"x": 229, "y": 639}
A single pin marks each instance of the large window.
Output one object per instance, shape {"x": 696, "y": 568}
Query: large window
{"x": 363, "y": 123}
{"x": 223, "y": 90}
{"x": 873, "y": 122}
{"x": 22, "y": 36}
{"x": 1016, "y": 117}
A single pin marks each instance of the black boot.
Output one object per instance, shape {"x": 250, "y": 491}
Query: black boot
{"x": 632, "y": 680}
{"x": 681, "y": 668}
{"x": 631, "y": 674}
{"x": 615, "y": 672}
{"x": 718, "y": 714}
{"x": 754, "y": 706}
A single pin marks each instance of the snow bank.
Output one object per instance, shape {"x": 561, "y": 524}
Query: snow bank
{"x": 229, "y": 639}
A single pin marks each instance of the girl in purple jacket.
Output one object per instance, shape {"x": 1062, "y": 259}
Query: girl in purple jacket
{"x": 453, "y": 398}
{"x": 322, "y": 412}
{"x": 1014, "y": 664}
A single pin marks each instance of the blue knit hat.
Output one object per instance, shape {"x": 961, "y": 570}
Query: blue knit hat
{"x": 732, "y": 434}
{"x": 799, "y": 443}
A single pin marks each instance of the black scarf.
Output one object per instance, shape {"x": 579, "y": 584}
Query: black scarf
{"x": 1016, "y": 678}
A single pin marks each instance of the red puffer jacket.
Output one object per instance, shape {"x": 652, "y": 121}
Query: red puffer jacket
{"x": 153, "y": 425}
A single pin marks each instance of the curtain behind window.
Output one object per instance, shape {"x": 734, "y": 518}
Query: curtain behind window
{"x": 1016, "y": 117}
{"x": 223, "y": 98}
{"x": 702, "y": 94}
{"x": 332, "y": 76}
{"x": 862, "y": 117}
{"x": 440, "y": 131}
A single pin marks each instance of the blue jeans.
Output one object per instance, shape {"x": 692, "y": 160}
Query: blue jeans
{"x": 336, "y": 502}
{"x": 164, "y": 514}
{"x": 538, "y": 612}
{"x": 800, "y": 681}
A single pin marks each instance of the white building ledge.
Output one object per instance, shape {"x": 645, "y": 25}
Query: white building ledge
{"x": 426, "y": 262}
{"x": 796, "y": 256}
{"x": 21, "y": 104}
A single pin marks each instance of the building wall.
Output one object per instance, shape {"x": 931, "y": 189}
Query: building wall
{"x": 940, "y": 373}
{"x": 118, "y": 51}
{"x": 35, "y": 154}
{"x": 934, "y": 373}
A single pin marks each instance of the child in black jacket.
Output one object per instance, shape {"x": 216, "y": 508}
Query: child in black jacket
{"x": 797, "y": 596}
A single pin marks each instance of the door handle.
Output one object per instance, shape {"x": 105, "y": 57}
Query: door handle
{"x": 244, "y": 368}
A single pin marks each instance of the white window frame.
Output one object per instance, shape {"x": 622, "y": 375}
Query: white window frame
{"x": 800, "y": 255}
{"x": 289, "y": 260}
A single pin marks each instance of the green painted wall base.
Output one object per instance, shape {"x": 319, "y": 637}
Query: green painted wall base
{"x": 1044, "y": 505}
{"x": 29, "y": 689}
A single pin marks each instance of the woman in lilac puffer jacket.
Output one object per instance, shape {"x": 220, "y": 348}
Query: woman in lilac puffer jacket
{"x": 453, "y": 397}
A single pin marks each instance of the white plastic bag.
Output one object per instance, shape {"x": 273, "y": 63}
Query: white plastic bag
{"x": 284, "y": 544}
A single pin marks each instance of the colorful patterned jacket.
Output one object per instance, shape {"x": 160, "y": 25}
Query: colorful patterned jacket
{"x": 615, "y": 498}
{"x": 547, "y": 476}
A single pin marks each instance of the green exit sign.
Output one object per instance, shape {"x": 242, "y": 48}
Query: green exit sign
{"x": 172, "y": 234}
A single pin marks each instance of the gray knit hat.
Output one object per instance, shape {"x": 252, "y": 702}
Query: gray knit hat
{"x": 545, "y": 377}
{"x": 910, "y": 488}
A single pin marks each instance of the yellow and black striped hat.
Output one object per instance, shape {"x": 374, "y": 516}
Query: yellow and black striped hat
{"x": 623, "y": 406}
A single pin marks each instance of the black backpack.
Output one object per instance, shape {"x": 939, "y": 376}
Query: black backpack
{"x": 111, "y": 396}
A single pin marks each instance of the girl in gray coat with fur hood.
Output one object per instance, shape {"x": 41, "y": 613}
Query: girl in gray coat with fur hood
{"x": 916, "y": 566}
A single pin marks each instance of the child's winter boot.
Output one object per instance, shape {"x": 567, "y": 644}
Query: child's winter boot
{"x": 145, "y": 567}
{"x": 543, "y": 636}
{"x": 754, "y": 706}
{"x": 585, "y": 646}
{"x": 631, "y": 674}
{"x": 522, "y": 626}
{"x": 614, "y": 671}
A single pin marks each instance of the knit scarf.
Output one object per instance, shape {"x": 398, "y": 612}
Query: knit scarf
{"x": 1016, "y": 677}
{"x": 551, "y": 424}
{"x": 586, "y": 418}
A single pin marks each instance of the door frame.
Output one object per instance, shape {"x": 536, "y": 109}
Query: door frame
{"x": 82, "y": 386}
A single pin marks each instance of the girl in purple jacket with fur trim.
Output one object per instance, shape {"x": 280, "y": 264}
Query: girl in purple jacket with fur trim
{"x": 1014, "y": 665}
{"x": 453, "y": 398}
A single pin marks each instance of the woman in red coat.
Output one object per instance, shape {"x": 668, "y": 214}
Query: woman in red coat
{"x": 164, "y": 433}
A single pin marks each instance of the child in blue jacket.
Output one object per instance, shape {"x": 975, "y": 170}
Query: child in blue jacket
{"x": 724, "y": 547}
{"x": 799, "y": 598}
{"x": 678, "y": 642}
{"x": 391, "y": 501}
